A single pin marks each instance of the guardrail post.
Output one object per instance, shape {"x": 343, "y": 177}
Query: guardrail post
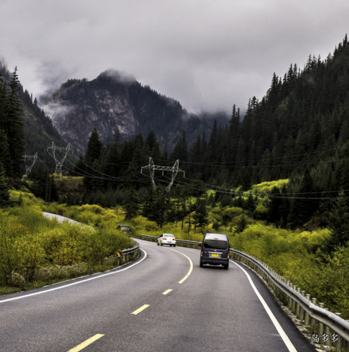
{"x": 321, "y": 326}
{"x": 327, "y": 333}
{"x": 339, "y": 341}
{"x": 306, "y": 313}
{"x": 313, "y": 321}
{"x": 301, "y": 313}
{"x": 293, "y": 301}
{"x": 297, "y": 305}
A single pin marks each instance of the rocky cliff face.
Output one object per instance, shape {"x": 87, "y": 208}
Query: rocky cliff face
{"x": 112, "y": 102}
{"x": 80, "y": 106}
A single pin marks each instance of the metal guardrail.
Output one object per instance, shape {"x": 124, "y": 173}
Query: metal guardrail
{"x": 128, "y": 254}
{"x": 325, "y": 328}
{"x": 131, "y": 250}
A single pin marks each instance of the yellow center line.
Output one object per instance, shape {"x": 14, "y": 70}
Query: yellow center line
{"x": 191, "y": 266}
{"x": 140, "y": 309}
{"x": 166, "y": 292}
{"x": 86, "y": 343}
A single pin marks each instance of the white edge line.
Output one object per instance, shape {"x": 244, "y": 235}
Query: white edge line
{"x": 277, "y": 325}
{"x": 190, "y": 269}
{"x": 75, "y": 283}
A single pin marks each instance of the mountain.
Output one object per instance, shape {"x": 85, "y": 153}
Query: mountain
{"x": 112, "y": 103}
{"x": 39, "y": 130}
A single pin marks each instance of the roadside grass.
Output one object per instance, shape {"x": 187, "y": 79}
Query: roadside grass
{"x": 36, "y": 251}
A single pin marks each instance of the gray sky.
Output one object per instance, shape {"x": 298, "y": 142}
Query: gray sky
{"x": 207, "y": 54}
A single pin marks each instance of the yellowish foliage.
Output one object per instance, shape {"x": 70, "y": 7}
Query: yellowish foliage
{"x": 266, "y": 187}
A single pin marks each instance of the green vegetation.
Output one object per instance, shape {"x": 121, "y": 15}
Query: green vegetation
{"x": 35, "y": 251}
{"x": 278, "y": 186}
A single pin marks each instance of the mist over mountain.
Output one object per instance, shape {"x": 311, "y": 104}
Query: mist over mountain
{"x": 117, "y": 104}
{"x": 39, "y": 130}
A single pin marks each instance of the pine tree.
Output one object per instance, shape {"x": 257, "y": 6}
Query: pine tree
{"x": 339, "y": 225}
{"x": 94, "y": 147}
{"x": 14, "y": 126}
{"x": 201, "y": 215}
{"x": 4, "y": 190}
{"x": 5, "y": 155}
{"x": 131, "y": 204}
{"x": 131, "y": 175}
{"x": 241, "y": 225}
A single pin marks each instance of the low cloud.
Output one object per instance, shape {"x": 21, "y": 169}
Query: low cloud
{"x": 206, "y": 54}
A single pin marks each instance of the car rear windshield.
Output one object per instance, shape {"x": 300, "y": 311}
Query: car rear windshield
{"x": 217, "y": 241}
{"x": 166, "y": 235}
{"x": 216, "y": 244}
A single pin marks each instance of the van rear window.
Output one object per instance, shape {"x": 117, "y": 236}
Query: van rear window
{"x": 218, "y": 244}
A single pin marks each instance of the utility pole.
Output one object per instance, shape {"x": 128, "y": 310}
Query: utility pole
{"x": 59, "y": 163}
{"x": 33, "y": 158}
{"x": 152, "y": 167}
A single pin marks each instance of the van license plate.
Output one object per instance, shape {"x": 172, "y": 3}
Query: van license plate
{"x": 214, "y": 255}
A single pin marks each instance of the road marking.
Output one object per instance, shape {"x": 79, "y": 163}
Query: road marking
{"x": 75, "y": 283}
{"x": 191, "y": 266}
{"x": 140, "y": 309}
{"x": 86, "y": 343}
{"x": 166, "y": 292}
{"x": 277, "y": 325}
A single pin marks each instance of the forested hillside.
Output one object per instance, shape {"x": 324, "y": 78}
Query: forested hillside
{"x": 39, "y": 132}
{"x": 298, "y": 131}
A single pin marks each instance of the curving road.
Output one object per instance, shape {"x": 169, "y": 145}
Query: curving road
{"x": 143, "y": 307}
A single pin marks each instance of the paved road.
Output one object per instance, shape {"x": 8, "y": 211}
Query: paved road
{"x": 133, "y": 309}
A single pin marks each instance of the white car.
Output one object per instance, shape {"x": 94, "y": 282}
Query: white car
{"x": 167, "y": 238}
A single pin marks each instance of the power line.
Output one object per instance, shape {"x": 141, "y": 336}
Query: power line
{"x": 59, "y": 163}
{"x": 152, "y": 167}
{"x": 32, "y": 158}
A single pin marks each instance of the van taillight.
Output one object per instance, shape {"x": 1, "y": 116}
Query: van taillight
{"x": 228, "y": 255}
{"x": 202, "y": 252}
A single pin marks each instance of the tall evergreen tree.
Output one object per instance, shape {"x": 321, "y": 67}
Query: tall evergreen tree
{"x": 201, "y": 215}
{"x": 4, "y": 190}
{"x": 14, "y": 125}
{"x": 339, "y": 225}
{"x": 94, "y": 148}
{"x": 132, "y": 204}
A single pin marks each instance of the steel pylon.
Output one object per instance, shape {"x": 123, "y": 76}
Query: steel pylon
{"x": 152, "y": 167}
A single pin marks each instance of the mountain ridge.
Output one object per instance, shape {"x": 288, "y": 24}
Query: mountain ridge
{"x": 114, "y": 104}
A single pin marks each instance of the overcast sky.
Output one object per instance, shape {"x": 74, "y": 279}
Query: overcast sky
{"x": 207, "y": 54}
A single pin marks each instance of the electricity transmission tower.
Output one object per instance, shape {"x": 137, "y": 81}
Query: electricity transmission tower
{"x": 152, "y": 167}
{"x": 29, "y": 158}
{"x": 59, "y": 163}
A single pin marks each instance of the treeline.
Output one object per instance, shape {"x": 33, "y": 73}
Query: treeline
{"x": 299, "y": 131}
{"x": 12, "y": 143}
{"x": 39, "y": 130}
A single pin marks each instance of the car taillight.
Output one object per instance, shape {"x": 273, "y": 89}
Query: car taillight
{"x": 228, "y": 254}
{"x": 174, "y": 239}
{"x": 165, "y": 239}
{"x": 202, "y": 252}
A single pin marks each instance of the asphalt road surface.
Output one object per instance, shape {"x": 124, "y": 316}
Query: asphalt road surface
{"x": 162, "y": 302}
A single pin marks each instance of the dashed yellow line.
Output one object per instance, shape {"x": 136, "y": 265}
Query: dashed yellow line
{"x": 86, "y": 343}
{"x": 166, "y": 292}
{"x": 140, "y": 309}
{"x": 190, "y": 269}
